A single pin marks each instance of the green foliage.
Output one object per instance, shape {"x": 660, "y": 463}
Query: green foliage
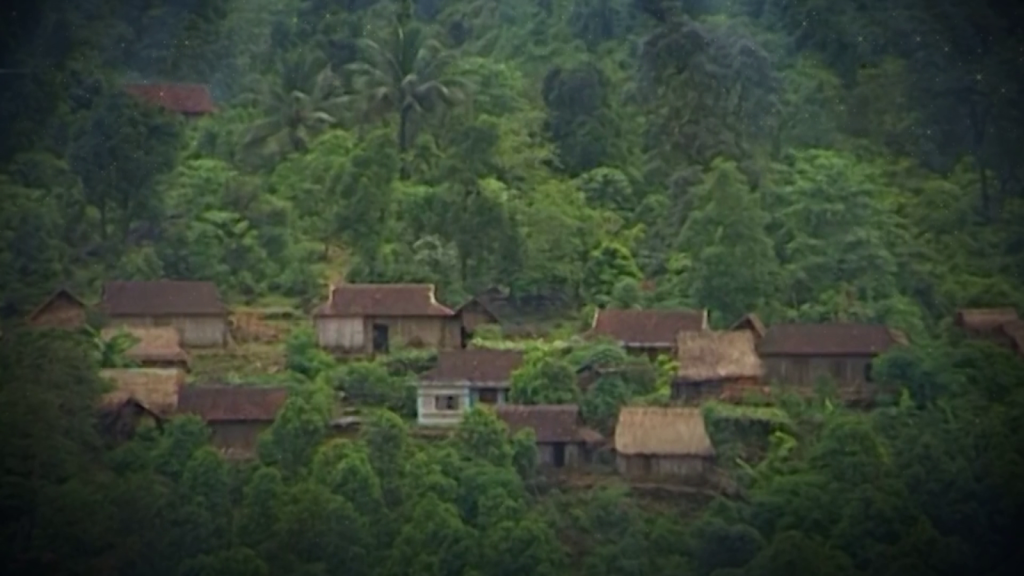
{"x": 807, "y": 160}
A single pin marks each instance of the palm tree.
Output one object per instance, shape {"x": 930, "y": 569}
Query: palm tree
{"x": 296, "y": 108}
{"x": 405, "y": 75}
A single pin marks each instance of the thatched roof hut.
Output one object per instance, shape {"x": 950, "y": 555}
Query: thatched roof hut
{"x": 155, "y": 345}
{"x": 714, "y": 356}
{"x": 155, "y": 389}
{"x": 656, "y": 431}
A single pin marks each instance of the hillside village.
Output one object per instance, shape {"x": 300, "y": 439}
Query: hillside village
{"x": 660, "y": 439}
{"x": 531, "y": 288}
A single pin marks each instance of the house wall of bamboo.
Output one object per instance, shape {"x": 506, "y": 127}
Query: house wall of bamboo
{"x": 638, "y": 467}
{"x": 196, "y": 331}
{"x": 355, "y": 335}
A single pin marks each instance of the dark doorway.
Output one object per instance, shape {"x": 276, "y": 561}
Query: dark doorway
{"x": 380, "y": 338}
{"x": 558, "y": 454}
{"x": 466, "y": 336}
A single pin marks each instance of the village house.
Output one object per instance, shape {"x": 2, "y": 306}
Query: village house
{"x": 647, "y": 332}
{"x": 188, "y": 100}
{"x": 371, "y": 318}
{"x": 139, "y": 395}
{"x": 750, "y": 323}
{"x": 463, "y": 379}
{"x": 62, "y": 309}
{"x": 1000, "y": 326}
{"x": 654, "y": 442}
{"x": 475, "y": 312}
{"x": 194, "y": 308}
{"x": 562, "y": 440}
{"x": 236, "y": 415}
{"x": 716, "y": 365}
{"x": 801, "y": 355}
{"x": 153, "y": 347}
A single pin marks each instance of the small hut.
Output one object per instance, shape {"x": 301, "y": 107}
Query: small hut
{"x": 139, "y": 394}
{"x": 61, "y": 310}
{"x": 562, "y": 440}
{"x": 154, "y": 347}
{"x": 751, "y": 323}
{"x": 236, "y": 415}
{"x": 463, "y": 379}
{"x": 653, "y": 442}
{"x": 369, "y": 318}
{"x": 719, "y": 365}
{"x": 1000, "y": 326}
{"x": 194, "y": 308}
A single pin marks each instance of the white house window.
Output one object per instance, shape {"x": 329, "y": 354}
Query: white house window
{"x": 447, "y": 403}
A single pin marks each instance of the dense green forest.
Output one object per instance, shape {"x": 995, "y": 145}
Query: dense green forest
{"x": 805, "y": 159}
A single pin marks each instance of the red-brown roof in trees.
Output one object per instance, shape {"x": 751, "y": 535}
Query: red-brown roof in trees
{"x": 831, "y": 339}
{"x": 355, "y": 300}
{"x": 162, "y": 298}
{"x": 550, "y": 422}
{"x": 180, "y": 98}
{"x": 647, "y": 327}
{"x": 232, "y": 403}
{"x": 475, "y": 365}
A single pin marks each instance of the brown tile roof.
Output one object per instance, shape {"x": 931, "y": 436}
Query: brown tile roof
{"x": 382, "y": 300}
{"x": 154, "y": 388}
{"x": 162, "y": 298}
{"x": 644, "y": 430}
{"x": 647, "y": 327}
{"x": 983, "y": 319}
{"x": 475, "y": 365}
{"x": 155, "y": 344}
{"x": 180, "y": 98}
{"x": 232, "y": 403}
{"x": 550, "y": 422}
{"x": 706, "y": 356}
{"x": 834, "y": 339}
{"x": 750, "y": 322}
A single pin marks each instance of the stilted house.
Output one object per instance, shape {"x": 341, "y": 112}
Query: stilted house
{"x": 716, "y": 365}
{"x": 800, "y": 355}
{"x": 371, "y": 318}
{"x": 562, "y": 440}
{"x": 1000, "y": 326}
{"x": 463, "y": 379}
{"x": 62, "y": 309}
{"x": 647, "y": 332}
{"x": 194, "y": 308}
{"x": 153, "y": 347}
{"x": 655, "y": 442}
{"x": 188, "y": 100}
{"x": 139, "y": 395}
{"x": 236, "y": 415}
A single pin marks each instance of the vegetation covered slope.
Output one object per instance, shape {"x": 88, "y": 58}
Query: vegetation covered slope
{"x": 806, "y": 159}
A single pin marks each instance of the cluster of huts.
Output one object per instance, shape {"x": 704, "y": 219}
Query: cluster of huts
{"x": 167, "y": 318}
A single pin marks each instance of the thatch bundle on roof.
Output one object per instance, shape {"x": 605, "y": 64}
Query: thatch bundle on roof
{"x": 154, "y": 388}
{"x": 655, "y": 431}
{"x": 710, "y": 356}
